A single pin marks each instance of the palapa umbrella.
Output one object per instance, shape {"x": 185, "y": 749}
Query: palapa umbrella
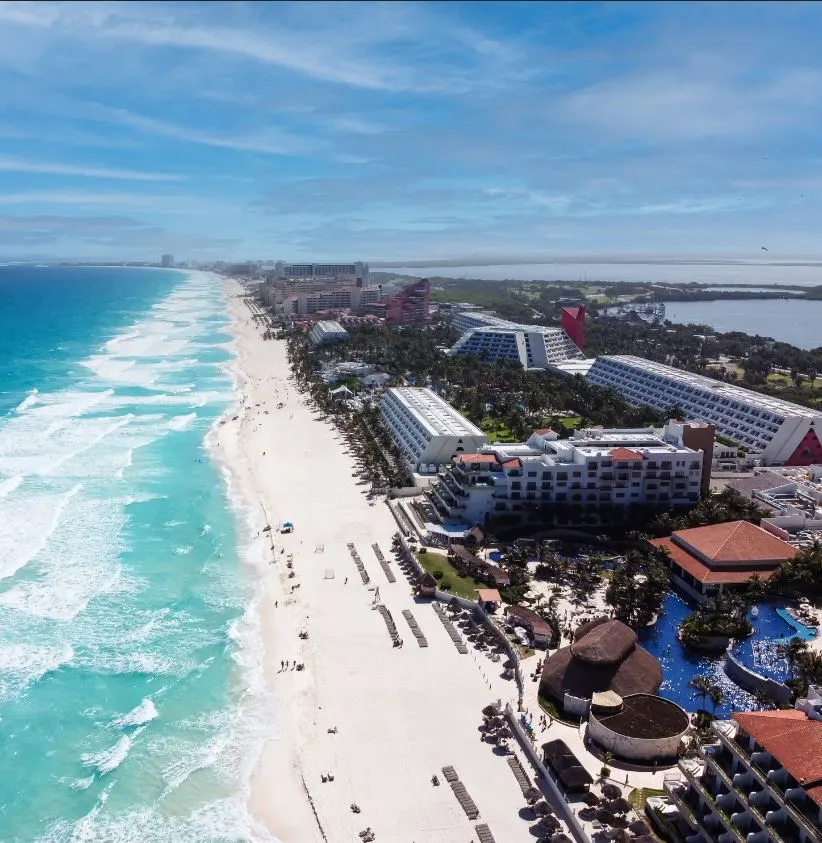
{"x": 619, "y": 806}
{"x": 639, "y": 827}
{"x": 548, "y": 823}
{"x": 587, "y": 814}
{"x": 542, "y": 808}
{"x": 490, "y": 711}
{"x": 611, "y": 791}
{"x": 603, "y": 815}
{"x": 590, "y": 798}
{"x": 561, "y": 837}
{"x": 532, "y": 795}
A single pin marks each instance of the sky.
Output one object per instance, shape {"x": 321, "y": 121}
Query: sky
{"x": 473, "y": 132}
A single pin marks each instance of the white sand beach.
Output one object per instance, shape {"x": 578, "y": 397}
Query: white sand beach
{"x": 400, "y": 714}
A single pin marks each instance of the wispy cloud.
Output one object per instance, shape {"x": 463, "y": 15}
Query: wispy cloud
{"x": 84, "y": 198}
{"x": 21, "y": 165}
{"x": 270, "y": 142}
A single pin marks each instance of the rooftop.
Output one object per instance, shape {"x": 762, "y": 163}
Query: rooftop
{"x": 725, "y": 390}
{"x": 647, "y": 716}
{"x": 732, "y": 543}
{"x": 793, "y": 739}
{"x": 436, "y": 415}
{"x": 701, "y": 572}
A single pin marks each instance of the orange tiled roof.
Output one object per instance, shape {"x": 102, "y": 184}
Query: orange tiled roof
{"x": 477, "y": 458}
{"x": 735, "y": 541}
{"x": 625, "y": 455}
{"x": 543, "y": 430}
{"x": 489, "y": 595}
{"x": 514, "y": 463}
{"x": 701, "y": 572}
{"x": 793, "y": 739}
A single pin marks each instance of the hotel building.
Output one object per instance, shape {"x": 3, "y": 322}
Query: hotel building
{"x": 327, "y": 331}
{"x": 427, "y": 430}
{"x": 760, "y": 783}
{"x": 348, "y": 271}
{"x": 574, "y": 479}
{"x": 778, "y": 431}
{"x": 485, "y": 334}
{"x": 532, "y": 346}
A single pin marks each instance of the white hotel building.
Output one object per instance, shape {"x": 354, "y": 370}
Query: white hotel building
{"x": 532, "y": 346}
{"x": 428, "y": 430}
{"x": 779, "y": 431}
{"x": 573, "y": 478}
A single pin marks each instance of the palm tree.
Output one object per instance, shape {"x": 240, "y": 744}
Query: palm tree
{"x": 792, "y": 651}
{"x": 717, "y": 696}
{"x": 702, "y": 685}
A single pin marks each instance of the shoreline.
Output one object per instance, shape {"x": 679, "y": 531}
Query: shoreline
{"x": 381, "y": 719}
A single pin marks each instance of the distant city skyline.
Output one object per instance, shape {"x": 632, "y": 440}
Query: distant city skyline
{"x": 411, "y": 134}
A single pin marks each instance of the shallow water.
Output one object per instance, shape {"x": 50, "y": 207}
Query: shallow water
{"x": 130, "y": 704}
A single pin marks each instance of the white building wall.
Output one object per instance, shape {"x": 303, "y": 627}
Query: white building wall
{"x": 423, "y": 435}
{"x": 635, "y": 749}
{"x": 765, "y": 425}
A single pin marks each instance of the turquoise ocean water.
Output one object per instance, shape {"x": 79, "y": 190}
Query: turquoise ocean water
{"x": 131, "y": 703}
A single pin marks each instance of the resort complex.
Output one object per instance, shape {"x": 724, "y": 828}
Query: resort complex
{"x": 601, "y": 578}
{"x": 591, "y": 476}
{"x": 778, "y": 431}
{"x": 759, "y": 779}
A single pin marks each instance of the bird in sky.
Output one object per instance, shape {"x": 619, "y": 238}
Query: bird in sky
{"x": 764, "y": 248}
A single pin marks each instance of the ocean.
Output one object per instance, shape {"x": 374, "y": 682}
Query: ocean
{"x": 131, "y": 695}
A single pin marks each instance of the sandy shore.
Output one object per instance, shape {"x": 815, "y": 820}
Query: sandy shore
{"x": 400, "y": 714}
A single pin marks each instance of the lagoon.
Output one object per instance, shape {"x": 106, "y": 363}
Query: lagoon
{"x": 794, "y": 321}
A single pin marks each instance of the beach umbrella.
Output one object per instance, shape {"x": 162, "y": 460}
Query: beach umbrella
{"x": 549, "y": 823}
{"x": 619, "y": 806}
{"x": 590, "y": 798}
{"x": 611, "y": 791}
{"x": 561, "y": 837}
{"x": 542, "y": 808}
{"x": 532, "y": 795}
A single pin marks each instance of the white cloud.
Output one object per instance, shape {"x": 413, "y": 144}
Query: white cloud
{"x": 269, "y": 143}
{"x": 20, "y": 165}
{"x": 80, "y": 198}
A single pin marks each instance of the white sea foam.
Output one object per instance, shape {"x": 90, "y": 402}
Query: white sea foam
{"x": 183, "y": 550}
{"x": 26, "y": 525}
{"x": 22, "y": 665}
{"x": 8, "y": 485}
{"x": 28, "y": 401}
{"x": 182, "y": 422}
{"x": 143, "y": 713}
{"x": 109, "y": 759}
{"x": 80, "y": 562}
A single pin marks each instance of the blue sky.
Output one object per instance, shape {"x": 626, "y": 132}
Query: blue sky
{"x": 409, "y": 131}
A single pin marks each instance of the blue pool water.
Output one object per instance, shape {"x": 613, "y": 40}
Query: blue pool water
{"x": 680, "y": 665}
{"x": 773, "y": 627}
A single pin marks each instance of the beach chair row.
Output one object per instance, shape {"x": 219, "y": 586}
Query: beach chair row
{"x": 451, "y": 630}
{"x": 519, "y": 773}
{"x": 389, "y": 622}
{"x": 389, "y": 574}
{"x": 358, "y": 562}
{"x": 412, "y": 622}
{"x": 466, "y": 802}
{"x": 484, "y": 833}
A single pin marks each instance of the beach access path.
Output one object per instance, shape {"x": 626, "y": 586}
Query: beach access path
{"x": 400, "y": 714}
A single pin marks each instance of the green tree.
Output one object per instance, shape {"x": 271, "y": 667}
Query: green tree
{"x": 702, "y": 686}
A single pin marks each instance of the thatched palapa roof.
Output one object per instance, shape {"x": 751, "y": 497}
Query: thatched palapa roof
{"x": 605, "y": 658}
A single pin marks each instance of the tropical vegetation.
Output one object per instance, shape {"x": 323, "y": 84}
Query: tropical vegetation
{"x": 638, "y": 586}
{"x": 725, "y": 615}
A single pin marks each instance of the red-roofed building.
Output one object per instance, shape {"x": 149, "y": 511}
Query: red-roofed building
{"x": 761, "y": 782}
{"x": 625, "y": 455}
{"x": 707, "y": 560}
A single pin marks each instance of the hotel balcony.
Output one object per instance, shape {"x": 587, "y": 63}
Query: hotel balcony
{"x": 722, "y": 806}
{"x": 771, "y": 777}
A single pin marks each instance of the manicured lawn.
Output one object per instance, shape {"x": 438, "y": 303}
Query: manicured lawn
{"x": 640, "y": 796}
{"x": 570, "y": 422}
{"x": 452, "y": 580}
{"x": 497, "y": 431}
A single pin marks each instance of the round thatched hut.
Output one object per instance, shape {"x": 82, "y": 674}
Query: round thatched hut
{"x": 605, "y": 657}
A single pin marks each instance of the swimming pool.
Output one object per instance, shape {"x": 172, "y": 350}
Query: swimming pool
{"x": 680, "y": 665}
